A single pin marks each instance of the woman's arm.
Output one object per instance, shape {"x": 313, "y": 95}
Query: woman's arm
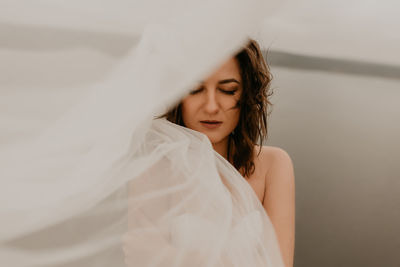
{"x": 279, "y": 200}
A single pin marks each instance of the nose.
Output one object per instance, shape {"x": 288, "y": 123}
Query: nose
{"x": 211, "y": 103}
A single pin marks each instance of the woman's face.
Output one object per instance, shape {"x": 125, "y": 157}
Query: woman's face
{"x": 212, "y": 107}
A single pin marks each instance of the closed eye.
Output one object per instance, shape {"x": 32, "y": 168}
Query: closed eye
{"x": 198, "y": 90}
{"x": 229, "y": 92}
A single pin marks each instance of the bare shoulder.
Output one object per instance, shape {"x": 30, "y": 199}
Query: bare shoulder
{"x": 279, "y": 197}
{"x": 276, "y": 162}
{"x": 272, "y": 154}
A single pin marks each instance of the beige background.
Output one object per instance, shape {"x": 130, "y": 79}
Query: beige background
{"x": 342, "y": 132}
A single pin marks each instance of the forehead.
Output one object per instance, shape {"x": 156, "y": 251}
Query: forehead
{"x": 229, "y": 69}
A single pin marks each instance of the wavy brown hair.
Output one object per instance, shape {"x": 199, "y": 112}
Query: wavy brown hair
{"x": 254, "y": 108}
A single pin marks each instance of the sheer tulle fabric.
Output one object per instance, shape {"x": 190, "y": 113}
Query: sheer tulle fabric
{"x": 103, "y": 183}
{"x": 185, "y": 205}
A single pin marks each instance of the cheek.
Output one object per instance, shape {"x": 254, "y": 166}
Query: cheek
{"x": 235, "y": 111}
{"x": 230, "y": 106}
{"x": 188, "y": 111}
{"x": 229, "y": 102}
{"x": 232, "y": 117}
{"x": 235, "y": 117}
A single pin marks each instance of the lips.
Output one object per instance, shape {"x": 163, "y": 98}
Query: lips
{"x": 211, "y": 124}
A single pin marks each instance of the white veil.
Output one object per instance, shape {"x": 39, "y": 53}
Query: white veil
{"x": 105, "y": 184}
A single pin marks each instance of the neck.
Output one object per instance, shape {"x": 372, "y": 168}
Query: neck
{"x": 222, "y": 147}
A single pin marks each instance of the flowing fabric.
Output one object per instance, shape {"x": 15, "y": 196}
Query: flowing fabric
{"x": 103, "y": 183}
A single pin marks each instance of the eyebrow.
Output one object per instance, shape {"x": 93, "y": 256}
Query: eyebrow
{"x": 229, "y": 81}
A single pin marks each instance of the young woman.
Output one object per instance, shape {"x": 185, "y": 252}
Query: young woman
{"x": 230, "y": 108}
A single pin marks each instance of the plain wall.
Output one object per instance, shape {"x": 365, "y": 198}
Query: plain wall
{"x": 342, "y": 132}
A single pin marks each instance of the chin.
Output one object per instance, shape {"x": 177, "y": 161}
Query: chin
{"x": 215, "y": 138}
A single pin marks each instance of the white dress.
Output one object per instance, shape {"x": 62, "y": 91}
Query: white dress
{"x": 104, "y": 184}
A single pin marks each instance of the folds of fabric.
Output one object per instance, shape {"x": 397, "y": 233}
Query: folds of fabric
{"x": 102, "y": 183}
